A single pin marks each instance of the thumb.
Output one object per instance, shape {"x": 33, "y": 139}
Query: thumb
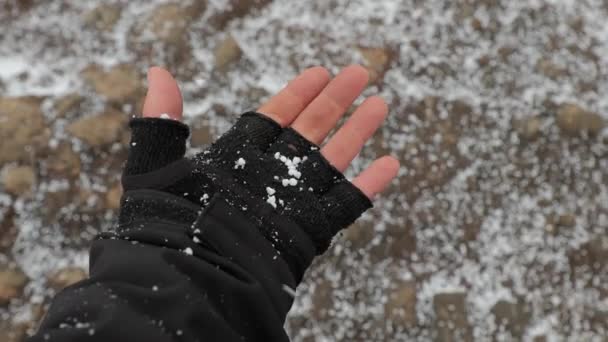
{"x": 164, "y": 96}
{"x": 155, "y": 142}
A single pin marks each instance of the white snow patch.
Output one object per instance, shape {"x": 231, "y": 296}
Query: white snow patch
{"x": 239, "y": 164}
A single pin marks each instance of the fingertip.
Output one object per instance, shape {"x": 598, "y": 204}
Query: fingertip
{"x": 320, "y": 72}
{"x": 377, "y": 176}
{"x": 155, "y": 70}
{"x": 164, "y": 95}
{"x": 391, "y": 163}
{"x": 380, "y": 106}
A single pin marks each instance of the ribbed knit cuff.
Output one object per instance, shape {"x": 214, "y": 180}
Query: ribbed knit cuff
{"x": 155, "y": 143}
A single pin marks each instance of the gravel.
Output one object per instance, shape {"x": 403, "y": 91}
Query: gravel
{"x": 496, "y": 228}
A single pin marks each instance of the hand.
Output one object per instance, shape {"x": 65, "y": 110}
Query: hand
{"x": 312, "y": 104}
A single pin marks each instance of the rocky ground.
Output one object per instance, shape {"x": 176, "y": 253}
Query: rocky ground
{"x": 495, "y": 230}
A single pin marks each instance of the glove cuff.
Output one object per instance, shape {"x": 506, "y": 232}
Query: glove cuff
{"x": 155, "y": 143}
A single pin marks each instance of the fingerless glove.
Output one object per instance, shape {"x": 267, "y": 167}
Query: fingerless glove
{"x": 208, "y": 248}
{"x": 273, "y": 175}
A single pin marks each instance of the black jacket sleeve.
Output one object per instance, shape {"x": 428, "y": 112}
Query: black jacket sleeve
{"x": 153, "y": 282}
{"x": 223, "y": 269}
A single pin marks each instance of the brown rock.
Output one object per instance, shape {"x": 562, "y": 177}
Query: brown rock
{"x": 168, "y": 22}
{"x": 577, "y": 24}
{"x": 12, "y": 282}
{"x": 377, "y": 61}
{"x": 165, "y": 33}
{"x": 101, "y": 129}
{"x": 529, "y": 128}
{"x": 513, "y": 316}
{"x": 13, "y": 332}
{"x": 599, "y": 318}
{"x": 235, "y": 10}
{"x": 574, "y": 120}
{"x": 66, "y": 277}
{"x": 8, "y": 230}
{"x": 359, "y": 235}
{"x": 65, "y": 161}
{"x": 451, "y": 319}
{"x": 550, "y": 226}
{"x": 113, "y": 197}
{"x": 477, "y": 25}
{"x": 18, "y": 6}
{"x": 402, "y": 242}
{"x": 119, "y": 84}
{"x": 322, "y": 300}
{"x": 484, "y": 61}
{"x": 22, "y": 128}
{"x": 103, "y": 17}
{"x": 38, "y": 312}
{"x": 550, "y": 69}
{"x": 89, "y": 209}
{"x": 226, "y": 53}
{"x": 592, "y": 254}
{"x": 18, "y": 180}
{"x": 67, "y": 104}
{"x": 504, "y": 52}
{"x": 401, "y": 306}
{"x": 566, "y": 220}
{"x": 201, "y": 136}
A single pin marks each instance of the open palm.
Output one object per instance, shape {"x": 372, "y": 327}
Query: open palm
{"x": 311, "y": 104}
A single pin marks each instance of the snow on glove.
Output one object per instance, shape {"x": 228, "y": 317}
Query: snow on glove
{"x": 272, "y": 174}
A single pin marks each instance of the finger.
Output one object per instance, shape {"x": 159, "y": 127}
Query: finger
{"x": 164, "y": 96}
{"x": 344, "y": 146}
{"x": 322, "y": 114}
{"x": 289, "y": 102}
{"x": 156, "y": 143}
{"x": 377, "y": 176}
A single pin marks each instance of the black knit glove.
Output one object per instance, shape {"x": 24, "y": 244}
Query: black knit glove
{"x": 272, "y": 174}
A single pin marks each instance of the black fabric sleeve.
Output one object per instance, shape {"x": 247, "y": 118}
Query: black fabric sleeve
{"x": 209, "y": 248}
{"x": 166, "y": 280}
